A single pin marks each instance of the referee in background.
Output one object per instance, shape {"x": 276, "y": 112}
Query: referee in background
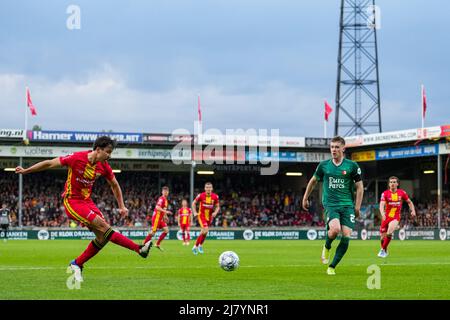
{"x": 4, "y": 220}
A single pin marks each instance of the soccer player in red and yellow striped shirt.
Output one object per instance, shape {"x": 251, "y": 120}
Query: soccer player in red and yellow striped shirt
{"x": 208, "y": 209}
{"x": 159, "y": 218}
{"x": 390, "y": 207}
{"x": 184, "y": 221}
{"x": 83, "y": 169}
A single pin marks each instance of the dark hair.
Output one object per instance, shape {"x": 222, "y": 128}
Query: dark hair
{"x": 103, "y": 142}
{"x": 208, "y": 183}
{"x": 393, "y": 177}
{"x": 165, "y": 188}
{"x": 338, "y": 139}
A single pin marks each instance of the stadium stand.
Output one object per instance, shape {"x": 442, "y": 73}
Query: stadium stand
{"x": 241, "y": 206}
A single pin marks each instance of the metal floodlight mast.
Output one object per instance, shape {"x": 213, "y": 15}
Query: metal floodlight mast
{"x": 357, "y": 88}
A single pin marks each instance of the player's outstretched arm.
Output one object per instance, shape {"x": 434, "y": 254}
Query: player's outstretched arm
{"x": 159, "y": 208}
{"x": 194, "y": 208}
{"x": 359, "y": 196}
{"x": 309, "y": 188}
{"x": 216, "y": 210}
{"x": 382, "y": 212}
{"x": 117, "y": 191}
{"x": 40, "y": 166}
{"x": 411, "y": 207}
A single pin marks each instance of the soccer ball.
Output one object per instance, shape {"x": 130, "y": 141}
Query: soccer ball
{"x": 229, "y": 261}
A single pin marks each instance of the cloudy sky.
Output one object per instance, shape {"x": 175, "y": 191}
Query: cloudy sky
{"x": 137, "y": 66}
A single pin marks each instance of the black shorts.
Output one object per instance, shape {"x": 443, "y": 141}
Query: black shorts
{"x": 4, "y": 226}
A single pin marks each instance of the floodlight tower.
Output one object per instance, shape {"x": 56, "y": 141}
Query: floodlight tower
{"x": 357, "y": 87}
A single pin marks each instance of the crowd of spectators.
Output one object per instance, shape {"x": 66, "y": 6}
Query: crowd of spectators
{"x": 426, "y": 215}
{"x": 240, "y": 206}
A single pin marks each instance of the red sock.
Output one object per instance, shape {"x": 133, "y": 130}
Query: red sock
{"x": 123, "y": 241}
{"x": 148, "y": 238}
{"x": 386, "y": 241}
{"x": 188, "y": 236}
{"x": 199, "y": 240}
{"x": 161, "y": 237}
{"x": 184, "y": 236}
{"x": 203, "y": 239}
{"x": 90, "y": 251}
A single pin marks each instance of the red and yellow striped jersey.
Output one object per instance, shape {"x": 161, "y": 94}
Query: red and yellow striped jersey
{"x": 207, "y": 204}
{"x": 163, "y": 203}
{"x": 185, "y": 216}
{"x": 394, "y": 201}
{"x": 82, "y": 175}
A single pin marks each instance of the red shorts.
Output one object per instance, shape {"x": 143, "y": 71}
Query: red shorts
{"x": 158, "y": 222}
{"x": 385, "y": 224}
{"x": 185, "y": 227}
{"x": 204, "y": 223}
{"x": 83, "y": 211}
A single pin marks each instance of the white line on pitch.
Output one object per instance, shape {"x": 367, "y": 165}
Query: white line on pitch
{"x": 382, "y": 263}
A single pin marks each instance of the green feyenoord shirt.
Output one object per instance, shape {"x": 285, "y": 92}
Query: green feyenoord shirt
{"x": 338, "y": 187}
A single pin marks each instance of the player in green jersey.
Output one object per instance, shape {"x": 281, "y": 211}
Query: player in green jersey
{"x": 340, "y": 178}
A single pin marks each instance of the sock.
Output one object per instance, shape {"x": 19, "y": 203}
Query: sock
{"x": 148, "y": 238}
{"x": 92, "y": 249}
{"x": 328, "y": 241}
{"x": 184, "y": 236}
{"x": 123, "y": 241}
{"x": 340, "y": 251}
{"x": 382, "y": 240}
{"x": 161, "y": 237}
{"x": 199, "y": 240}
{"x": 386, "y": 241}
{"x": 203, "y": 239}
{"x": 188, "y": 236}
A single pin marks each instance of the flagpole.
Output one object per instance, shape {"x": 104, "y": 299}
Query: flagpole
{"x": 421, "y": 109}
{"x": 24, "y": 138}
{"x": 324, "y": 118}
{"x": 26, "y": 114}
{"x": 200, "y": 117}
{"x": 197, "y": 131}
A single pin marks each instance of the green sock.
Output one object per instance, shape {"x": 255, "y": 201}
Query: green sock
{"x": 328, "y": 242}
{"x": 340, "y": 251}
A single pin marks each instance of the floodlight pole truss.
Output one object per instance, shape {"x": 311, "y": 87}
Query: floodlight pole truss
{"x": 357, "y": 87}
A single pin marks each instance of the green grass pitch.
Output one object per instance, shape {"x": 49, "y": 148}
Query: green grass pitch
{"x": 270, "y": 270}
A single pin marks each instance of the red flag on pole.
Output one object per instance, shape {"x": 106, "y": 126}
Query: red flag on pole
{"x": 30, "y": 103}
{"x": 424, "y": 102}
{"x": 328, "y": 110}
{"x": 199, "y": 110}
